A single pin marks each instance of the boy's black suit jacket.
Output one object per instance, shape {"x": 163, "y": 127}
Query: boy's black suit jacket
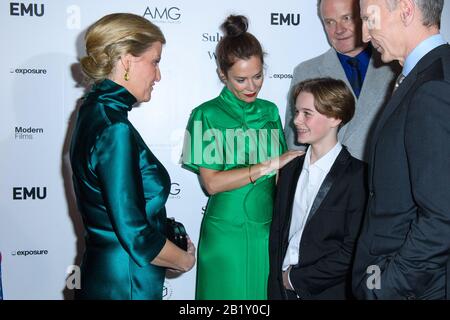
{"x": 328, "y": 240}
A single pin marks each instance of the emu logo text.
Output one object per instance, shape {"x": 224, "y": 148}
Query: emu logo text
{"x": 23, "y": 193}
{"x": 289, "y": 19}
{"x": 26, "y": 9}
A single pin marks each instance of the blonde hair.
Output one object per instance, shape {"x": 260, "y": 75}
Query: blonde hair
{"x": 113, "y": 36}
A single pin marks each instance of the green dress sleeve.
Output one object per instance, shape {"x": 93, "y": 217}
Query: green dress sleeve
{"x": 203, "y": 144}
{"x": 116, "y": 161}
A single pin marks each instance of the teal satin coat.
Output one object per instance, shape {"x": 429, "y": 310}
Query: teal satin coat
{"x": 121, "y": 190}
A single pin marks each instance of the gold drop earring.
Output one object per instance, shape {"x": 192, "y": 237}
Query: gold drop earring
{"x": 126, "y": 76}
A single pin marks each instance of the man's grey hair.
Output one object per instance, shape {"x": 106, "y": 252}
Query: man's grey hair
{"x": 431, "y": 10}
{"x": 319, "y": 2}
{"x": 319, "y": 13}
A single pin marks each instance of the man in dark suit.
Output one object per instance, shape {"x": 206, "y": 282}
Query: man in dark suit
{"x": 404, "y": 248}
{"x": 320, "y": 200}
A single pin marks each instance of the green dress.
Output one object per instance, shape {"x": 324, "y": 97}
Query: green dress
{"x": 224, "y": 134}
{"x": 121, "y": 190}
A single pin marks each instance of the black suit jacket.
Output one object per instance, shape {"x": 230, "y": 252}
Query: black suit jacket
{"x": 328, "y": 239}
{"x": 405, "y": 238}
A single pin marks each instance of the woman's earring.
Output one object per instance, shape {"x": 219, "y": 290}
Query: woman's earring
{"x": 126, "y": 76}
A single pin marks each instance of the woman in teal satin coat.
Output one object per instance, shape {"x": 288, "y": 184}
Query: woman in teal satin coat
{"x": 121, "y": 187}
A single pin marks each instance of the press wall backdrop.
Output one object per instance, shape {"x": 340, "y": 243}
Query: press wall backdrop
{"x": 41, "y": 233}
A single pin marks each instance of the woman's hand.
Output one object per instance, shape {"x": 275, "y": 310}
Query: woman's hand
{"x": 190, "y": 261}
{"x": 215, "y": 181}
{"x": 172, "y": 257}
{"x": 191, "y": 253}
{"x": 279, "y": 162}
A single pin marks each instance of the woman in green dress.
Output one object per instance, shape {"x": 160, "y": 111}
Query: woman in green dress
{"x": 120, "y": 186}
{"x": 235, "y": 143}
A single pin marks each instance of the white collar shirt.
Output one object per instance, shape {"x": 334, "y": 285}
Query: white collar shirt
{"x": 310, "y": 180}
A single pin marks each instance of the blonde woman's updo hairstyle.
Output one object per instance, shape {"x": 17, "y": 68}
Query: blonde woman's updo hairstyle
{"x": 237, "y": 43}
{"x": 115, "y": 35}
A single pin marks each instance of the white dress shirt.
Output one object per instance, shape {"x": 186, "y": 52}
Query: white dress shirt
{"x": 310, "y": 180}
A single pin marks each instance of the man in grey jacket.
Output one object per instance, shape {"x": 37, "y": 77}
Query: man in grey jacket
{"x": 354, "y": 62}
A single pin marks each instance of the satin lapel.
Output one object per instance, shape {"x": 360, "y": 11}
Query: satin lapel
{"x": 292, "y": 186}
{"x": 336, "y": 170}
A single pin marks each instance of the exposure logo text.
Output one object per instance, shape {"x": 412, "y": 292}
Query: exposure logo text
{"x": 29, "y": 253}
{"x": 26, "y": 71}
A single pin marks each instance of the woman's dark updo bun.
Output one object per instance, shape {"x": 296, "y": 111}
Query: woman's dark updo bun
{"x": 236, "y": 43}
{"x": 234, "y": 26}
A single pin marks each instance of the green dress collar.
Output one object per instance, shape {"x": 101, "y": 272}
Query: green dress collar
{"x": 232, "y": 100}
{"x": 113, "y": 95}
{"x": 238, "y": 113}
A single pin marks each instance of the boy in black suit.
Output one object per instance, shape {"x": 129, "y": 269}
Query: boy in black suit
{"x": 320, "y": 200}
